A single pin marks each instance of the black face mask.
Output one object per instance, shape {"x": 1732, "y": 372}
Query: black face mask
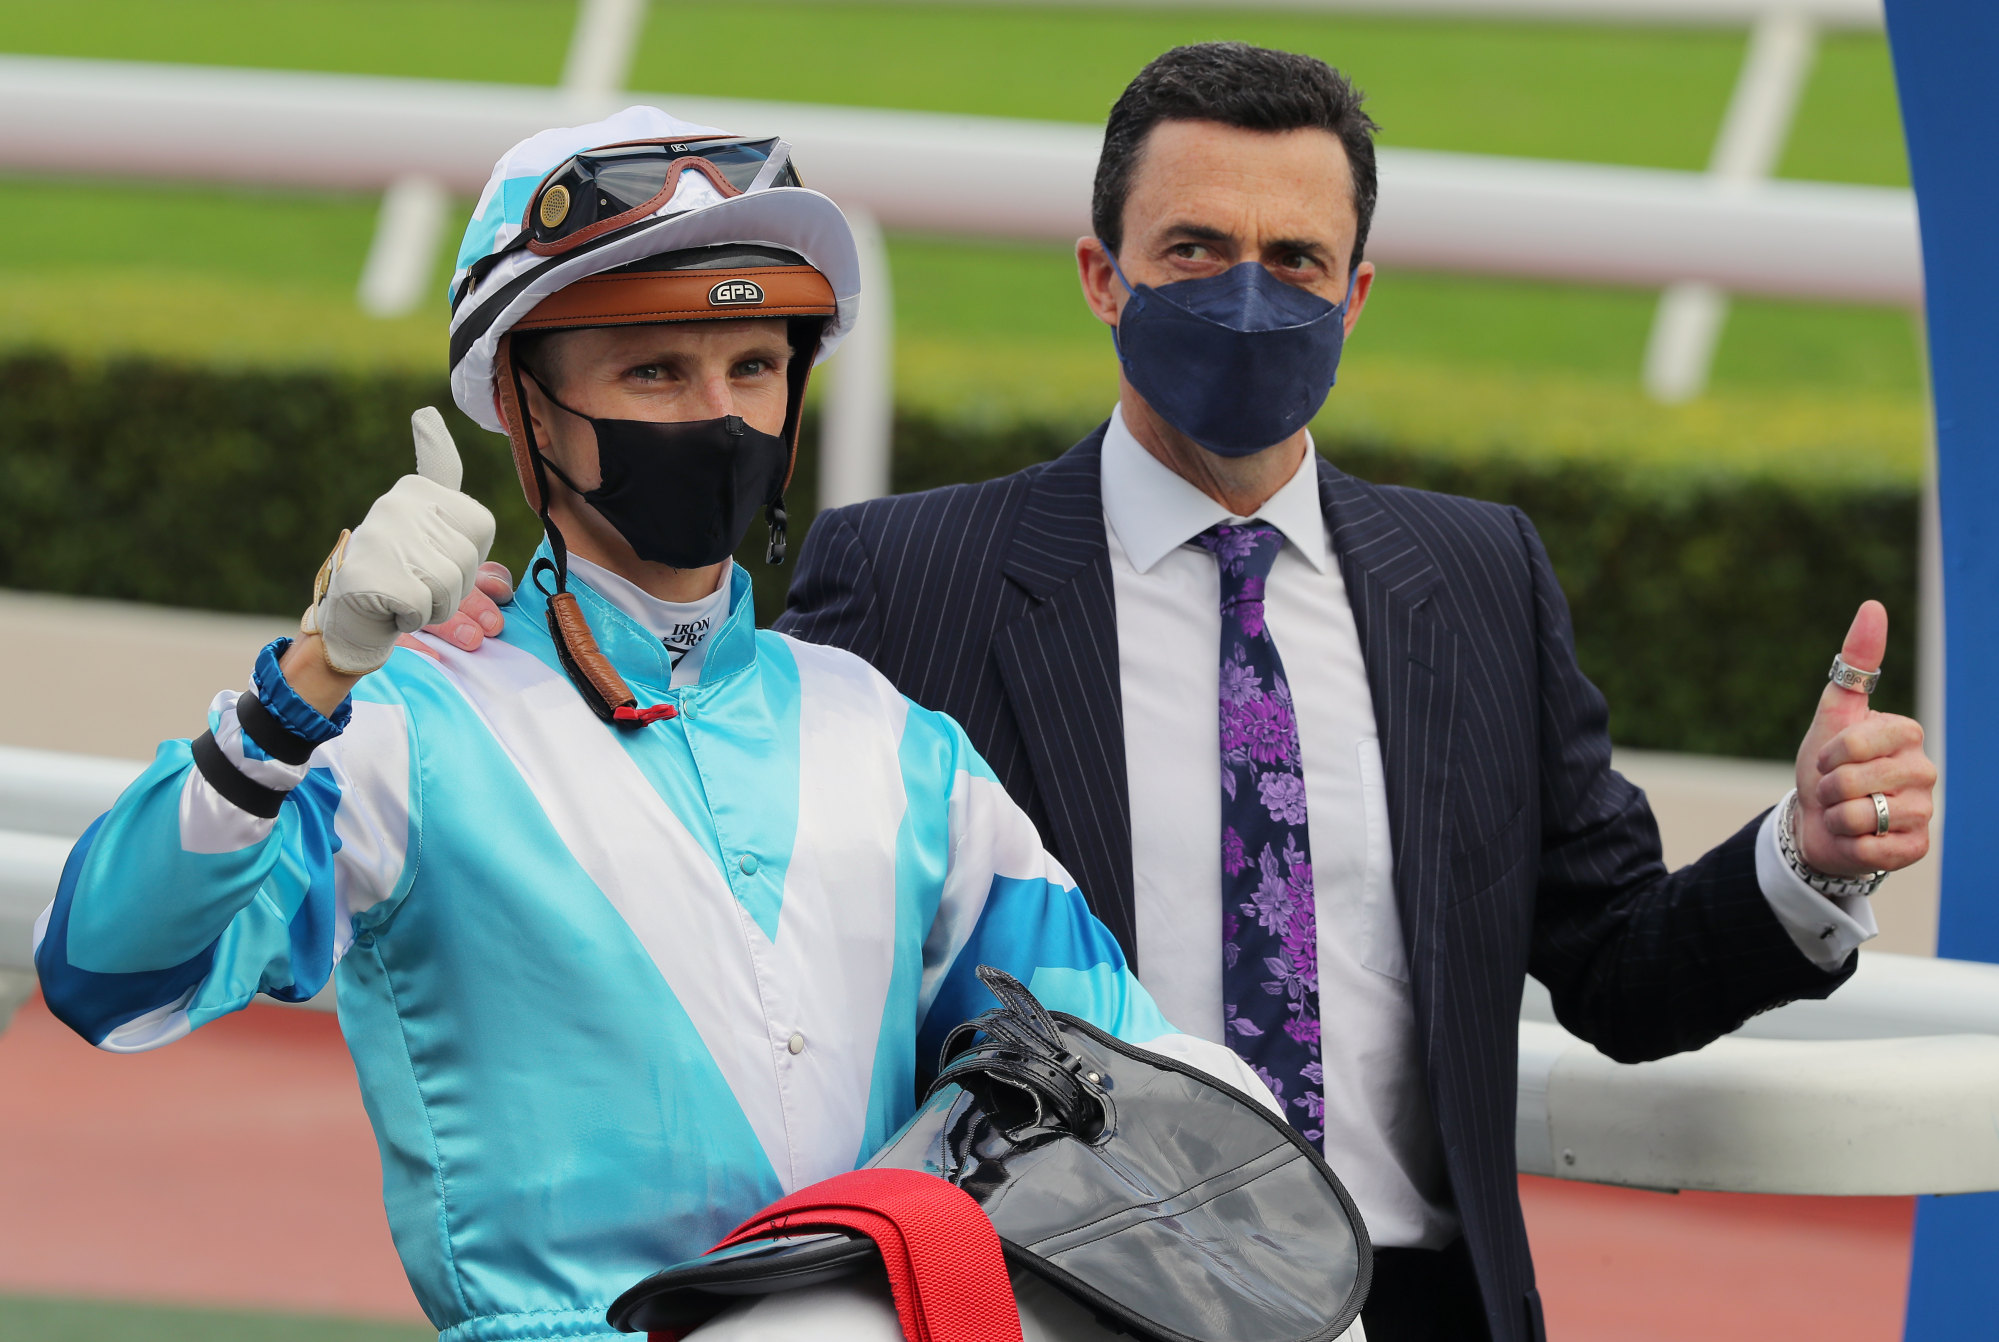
{"x": 685, "y": 494}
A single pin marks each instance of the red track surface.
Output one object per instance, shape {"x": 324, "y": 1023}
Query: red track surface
{"x": 236, "y": 1168}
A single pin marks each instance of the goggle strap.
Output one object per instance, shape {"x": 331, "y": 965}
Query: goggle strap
{"x": 773, "y": 168}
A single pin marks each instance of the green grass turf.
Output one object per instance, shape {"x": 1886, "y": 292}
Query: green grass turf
{"x": 30, "y": 1319}
{"x": 503, "y": 41}
{"x": 1848, "y": 127}
{"x": 996, "y": 329}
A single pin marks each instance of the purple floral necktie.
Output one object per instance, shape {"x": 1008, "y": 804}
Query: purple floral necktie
{"x": 1270, "y": 949}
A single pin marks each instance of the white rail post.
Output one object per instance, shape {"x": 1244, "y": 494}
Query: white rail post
{"x": 600, "y": 51}
{"x": 404, "y": 252}
{"x": 1687, "y": 327}
{"x": 858, "y": 415}
{"x": 403, "y": 256}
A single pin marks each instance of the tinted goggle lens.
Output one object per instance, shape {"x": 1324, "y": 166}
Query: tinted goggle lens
{"x": 606, "y": 183}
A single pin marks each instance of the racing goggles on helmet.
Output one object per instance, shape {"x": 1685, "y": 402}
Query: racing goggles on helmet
{"x": 604, "y": 189}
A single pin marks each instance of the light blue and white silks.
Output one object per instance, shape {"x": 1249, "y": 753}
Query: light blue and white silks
{"x": 608, "y": 991}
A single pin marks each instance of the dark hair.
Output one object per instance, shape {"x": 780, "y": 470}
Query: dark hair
{"x": 531, "y": 353}
{"x": 1253, "y": 88}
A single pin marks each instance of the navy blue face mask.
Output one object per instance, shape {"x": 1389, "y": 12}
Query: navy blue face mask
{"x": 1238, "y": 361}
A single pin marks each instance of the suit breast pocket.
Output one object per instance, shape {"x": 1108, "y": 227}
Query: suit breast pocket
{"x": 1484, "y": 863}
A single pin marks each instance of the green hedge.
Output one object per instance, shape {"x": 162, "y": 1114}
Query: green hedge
{"x": 1707, "y": 603}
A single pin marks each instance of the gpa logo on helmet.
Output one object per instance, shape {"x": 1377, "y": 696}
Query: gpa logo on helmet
{"x": 736, "y": 294}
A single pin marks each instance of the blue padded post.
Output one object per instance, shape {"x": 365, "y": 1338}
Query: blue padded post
{"x": 1946, "y": 56}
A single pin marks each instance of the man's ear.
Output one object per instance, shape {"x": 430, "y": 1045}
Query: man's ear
{"x": 1363, "y": 284}
{"x": 535, "y": 406}
{"x": 1101, "y": 287}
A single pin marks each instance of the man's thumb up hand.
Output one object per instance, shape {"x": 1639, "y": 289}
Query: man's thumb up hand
{"x": 409, "y": 563}
{"x": 1852, "y": 753}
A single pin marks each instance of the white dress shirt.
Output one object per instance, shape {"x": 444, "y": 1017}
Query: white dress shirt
{"x": 1380, "y": 1135}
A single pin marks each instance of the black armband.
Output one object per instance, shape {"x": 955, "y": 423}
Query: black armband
{"x": 237, "y": 788}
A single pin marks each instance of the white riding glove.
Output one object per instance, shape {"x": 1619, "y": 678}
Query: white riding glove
{"x": 409, "y": 563}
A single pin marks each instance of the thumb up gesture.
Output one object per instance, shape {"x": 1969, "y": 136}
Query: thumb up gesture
{"x": 410, "y": 562}
{"x": 1853, "y": 756}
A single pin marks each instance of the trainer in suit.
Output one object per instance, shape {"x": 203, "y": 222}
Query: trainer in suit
{"x": 1413, "y": 806}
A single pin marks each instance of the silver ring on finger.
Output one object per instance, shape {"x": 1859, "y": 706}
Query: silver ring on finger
{"x": 1880, "y": 800}
{"x": 1852, "y": 678}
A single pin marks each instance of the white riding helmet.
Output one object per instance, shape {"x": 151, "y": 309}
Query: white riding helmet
{"x": 641, "y": 218}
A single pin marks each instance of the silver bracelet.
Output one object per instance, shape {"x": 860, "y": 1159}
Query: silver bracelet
{"x": 1833, "y": 887}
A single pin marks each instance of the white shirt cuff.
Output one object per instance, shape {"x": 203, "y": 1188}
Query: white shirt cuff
{"x": 1824, "y": 928}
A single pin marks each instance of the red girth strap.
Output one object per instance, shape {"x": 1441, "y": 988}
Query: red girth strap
{"x": 944, "y": 1261}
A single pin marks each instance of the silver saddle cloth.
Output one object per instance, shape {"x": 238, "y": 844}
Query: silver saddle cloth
{"x": 1131, "y": 1194}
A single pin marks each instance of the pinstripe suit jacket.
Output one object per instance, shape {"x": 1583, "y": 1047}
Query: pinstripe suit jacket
{"x": 1517, "y": 849}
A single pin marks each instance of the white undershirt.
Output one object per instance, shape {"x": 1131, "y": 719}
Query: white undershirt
{"x": 683, "y": 626}
{"x": 1380, "y": 1135}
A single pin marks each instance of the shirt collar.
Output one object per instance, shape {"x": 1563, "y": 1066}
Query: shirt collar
{"x": 634, "y": 650}
{"x": 1154, "y": 511}
{"x": 659, "y": 618}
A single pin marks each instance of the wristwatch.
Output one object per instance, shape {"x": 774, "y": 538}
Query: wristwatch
{"x": 1833, "y": 887}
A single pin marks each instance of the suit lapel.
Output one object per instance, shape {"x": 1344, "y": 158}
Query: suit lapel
{"x": 1059, "y": 664}
{"x": 1411, "y": 653}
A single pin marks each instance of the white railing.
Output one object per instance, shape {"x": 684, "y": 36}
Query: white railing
{"x": 1889, "y": 1087}
{"x": 47, "y": 799}
{"x": 980, "y": 176}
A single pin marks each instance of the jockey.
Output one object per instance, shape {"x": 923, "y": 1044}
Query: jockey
{"x": 640, "y": 917}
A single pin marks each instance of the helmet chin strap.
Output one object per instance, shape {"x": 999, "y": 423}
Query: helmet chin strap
{"x": 602, "y": 688}
{"x": 805, "y": 334}
{"x": 557, "y": 546}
